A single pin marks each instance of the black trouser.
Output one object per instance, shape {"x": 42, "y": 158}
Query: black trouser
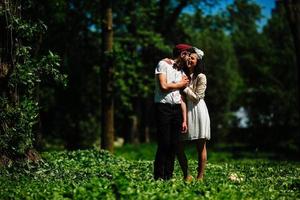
{"x": 169, "y": 120}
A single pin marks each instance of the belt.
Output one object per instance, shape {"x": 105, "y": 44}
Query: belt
{"x": 171, "y": 104}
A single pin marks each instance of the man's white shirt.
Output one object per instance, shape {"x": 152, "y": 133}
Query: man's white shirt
{"x": 173, "y": 76}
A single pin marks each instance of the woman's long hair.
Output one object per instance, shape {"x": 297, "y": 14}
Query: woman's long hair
{"x": 199, "y": 68}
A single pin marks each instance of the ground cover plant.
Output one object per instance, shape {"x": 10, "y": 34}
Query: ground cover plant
{"x": 94, "y": 174}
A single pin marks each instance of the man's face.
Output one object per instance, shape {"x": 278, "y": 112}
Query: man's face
{"x": 185, "y": 56}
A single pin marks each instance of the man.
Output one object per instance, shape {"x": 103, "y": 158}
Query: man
{"x": 169, "y": 79}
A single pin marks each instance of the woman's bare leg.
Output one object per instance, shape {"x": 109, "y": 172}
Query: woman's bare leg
{"x": 202, "y": 157}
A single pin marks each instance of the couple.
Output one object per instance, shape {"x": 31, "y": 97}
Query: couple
{"x": 181, "y": 113}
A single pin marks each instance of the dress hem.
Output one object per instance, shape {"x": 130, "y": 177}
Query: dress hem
{"x": 197, "y": 138}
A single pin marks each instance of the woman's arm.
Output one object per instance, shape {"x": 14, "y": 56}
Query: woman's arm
{"x": 198, "y": 91}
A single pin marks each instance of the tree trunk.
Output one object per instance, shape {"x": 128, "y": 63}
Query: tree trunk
{"x": 293, "y": 15}
{"x": 126, "y": 129}
{"x": 107, "y": 138}
{"x": 134, "y": 132}
{"x": 133, "y": 123}
{"x": 8, "y": 44}
{"x": 145, "y": 120}
{"x": 7, "y": 50}
{"x": 167, "y": 18}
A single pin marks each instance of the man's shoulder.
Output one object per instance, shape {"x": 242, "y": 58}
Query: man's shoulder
{"x": 166, "y": 61}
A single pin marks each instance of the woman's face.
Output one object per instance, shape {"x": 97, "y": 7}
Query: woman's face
{"x": 192, "y": 62}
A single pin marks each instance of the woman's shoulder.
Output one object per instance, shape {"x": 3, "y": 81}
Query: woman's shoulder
{"x": 201, "y": 76}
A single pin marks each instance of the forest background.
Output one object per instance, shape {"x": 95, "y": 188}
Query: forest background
{"x": 56, "y": 73}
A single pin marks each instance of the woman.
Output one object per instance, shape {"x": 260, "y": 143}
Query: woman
{"x": 197, "y": 113}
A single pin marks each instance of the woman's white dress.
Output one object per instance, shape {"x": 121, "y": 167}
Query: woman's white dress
{"x": 198, "y": 120}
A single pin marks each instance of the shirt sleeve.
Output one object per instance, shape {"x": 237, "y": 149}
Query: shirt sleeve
{"x": 161, "y": 68}
{"x": 198, "y": 91}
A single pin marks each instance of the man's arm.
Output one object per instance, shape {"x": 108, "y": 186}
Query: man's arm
{"x": 184, "y": 115}
{"x": 165, "y": 87}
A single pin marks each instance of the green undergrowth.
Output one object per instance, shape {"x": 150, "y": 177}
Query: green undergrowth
{"x": 93, "y": 174}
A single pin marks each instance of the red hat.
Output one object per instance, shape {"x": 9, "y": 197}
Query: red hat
{"x": 182, "y": 47}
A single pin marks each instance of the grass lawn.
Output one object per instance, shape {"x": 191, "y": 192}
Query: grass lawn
{"x": 93, "y": 174}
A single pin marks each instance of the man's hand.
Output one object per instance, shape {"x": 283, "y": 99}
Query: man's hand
{"x": 184, "y": 127}
{"x": 168, "y": 60}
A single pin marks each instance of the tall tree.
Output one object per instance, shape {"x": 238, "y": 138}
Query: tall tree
{"x": 21, "y": 73}
{"x": 293, "y": 15}
{"x": 72, "y": 115}
{"x": 243, "y": 17}
{"x": 107, "y": 78}
{"x": 221, "y": 68}
{"x": 9, "y": 11}
{"x": 280, "y": 71}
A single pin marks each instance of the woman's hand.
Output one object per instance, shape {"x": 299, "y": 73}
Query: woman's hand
{"x": 184, "y": 127}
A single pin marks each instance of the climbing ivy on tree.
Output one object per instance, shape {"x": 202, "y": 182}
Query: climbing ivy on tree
{"x": 22, "y": 74}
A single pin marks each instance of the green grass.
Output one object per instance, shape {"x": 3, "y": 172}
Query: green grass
{"x": 92, "y": 174}
{"x": 216, "y": 154}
